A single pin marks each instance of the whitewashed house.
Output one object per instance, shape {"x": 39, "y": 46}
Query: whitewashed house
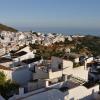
{"x": 77, "y": 93}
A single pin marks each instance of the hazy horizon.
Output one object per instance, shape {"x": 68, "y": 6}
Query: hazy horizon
{"x": 60, "y": 30}
{"x": 62, "y": 16}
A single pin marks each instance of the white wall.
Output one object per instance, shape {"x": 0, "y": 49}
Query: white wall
{"x": 2, "y": 51}
{"x": 40, "y": 74}
{"x": 55, "y": 61}
{"x": 56, "y": 74}
{"x": 36, "y": 85}
{"x": 77, "y": 60}
{"x": 26, "y": 56}
{"x": 22, "y": 75}
{"x": 88, "y": 60}
{"x": 57, "y": 85}
{"x": 53, "y": 94}
{"x": 16, "y": 97}
{"x": 81, "y": 73}
{"x": 26, "y": 49}
{"x": 67, "y": 67}
{"x": 81, "y": 92}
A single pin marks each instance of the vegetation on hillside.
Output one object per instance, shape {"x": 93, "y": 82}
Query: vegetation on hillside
{"x": 7, "y": 87}
{"x": 6, "y": 28}
{"x": 46, "y": 52}
{"x": 89, "y": 45}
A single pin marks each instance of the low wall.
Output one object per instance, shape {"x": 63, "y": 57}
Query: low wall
{"x": 57, "y": 85}
{"x": 27, "y": 94}
{"x": 81, "y": 92}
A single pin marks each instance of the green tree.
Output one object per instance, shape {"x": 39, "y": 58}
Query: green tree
{"x": 7, "y": 87}
{"x": 2, "y": 78}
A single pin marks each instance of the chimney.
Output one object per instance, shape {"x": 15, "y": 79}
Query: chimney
{"x": 21, "y": 91}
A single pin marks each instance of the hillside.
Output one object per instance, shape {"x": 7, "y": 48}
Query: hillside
{"x": 7, "y": 28}
{"x": 88, "y": 45}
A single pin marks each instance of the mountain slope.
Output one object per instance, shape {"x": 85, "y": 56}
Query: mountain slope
{"x": 7, "y": 28}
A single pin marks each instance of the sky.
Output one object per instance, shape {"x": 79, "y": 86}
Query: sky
{"x": 66, "y": 16}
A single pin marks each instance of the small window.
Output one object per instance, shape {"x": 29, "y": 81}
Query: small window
{"x": 34, "y": 70}
{"x": 60, "y": 66}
